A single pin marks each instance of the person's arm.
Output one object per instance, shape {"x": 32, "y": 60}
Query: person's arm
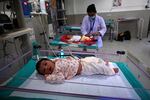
{"x": 102, "y": 29}
{"x": 55, "y": 78}
{"x": 96, "y": 34}
{"x": 84, "y": 26}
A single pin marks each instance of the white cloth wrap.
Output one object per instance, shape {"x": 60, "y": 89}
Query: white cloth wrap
{"x": 93, "y": 65}
{"x": 75, "y": 38}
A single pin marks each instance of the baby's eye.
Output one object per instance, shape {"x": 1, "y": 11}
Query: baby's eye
{"x": 45, "y": 64}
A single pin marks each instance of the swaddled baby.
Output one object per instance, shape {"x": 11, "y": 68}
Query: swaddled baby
{"x": 57, "y": 70}
{"x": 77, "y": 38}
{"x": 74, "y": 38}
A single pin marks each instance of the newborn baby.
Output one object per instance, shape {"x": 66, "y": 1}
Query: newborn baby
{"x": 56, "y": 71}
{"x": 77, "y": 38}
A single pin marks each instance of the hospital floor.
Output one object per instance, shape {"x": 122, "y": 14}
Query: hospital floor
{"x": 138, "y": 48}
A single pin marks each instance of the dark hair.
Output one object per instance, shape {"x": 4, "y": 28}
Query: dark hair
{"x": 91, "y": 8}
{"x": 38, "y": 65}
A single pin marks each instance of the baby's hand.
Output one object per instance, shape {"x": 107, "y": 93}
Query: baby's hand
{"x": 46, "y": 75}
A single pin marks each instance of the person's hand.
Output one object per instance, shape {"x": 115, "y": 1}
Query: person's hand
{"x": 89, "y": 34}
{"x": 96, "y": 34}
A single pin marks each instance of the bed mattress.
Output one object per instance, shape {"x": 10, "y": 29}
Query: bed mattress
{"x": 116, "y": 86}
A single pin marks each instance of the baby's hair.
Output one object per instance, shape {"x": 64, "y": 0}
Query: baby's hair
{"x": 38, "y": 65}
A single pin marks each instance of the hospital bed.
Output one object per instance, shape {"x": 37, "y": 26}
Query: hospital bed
{"x": 72, "y": 28}
{"x": 27, "y": 84}
{"x": 76, "y": 30}
{"x": 57, "y": 42}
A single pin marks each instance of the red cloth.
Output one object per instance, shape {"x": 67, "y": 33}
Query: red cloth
{"x": 65, "y": 38}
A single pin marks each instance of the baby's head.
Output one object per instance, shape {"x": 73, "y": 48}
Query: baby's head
{"x": 45, "y": 66}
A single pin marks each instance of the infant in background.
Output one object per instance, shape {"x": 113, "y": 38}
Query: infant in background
{"x": 58, "y": 70}
{"x": 78, "y": 38}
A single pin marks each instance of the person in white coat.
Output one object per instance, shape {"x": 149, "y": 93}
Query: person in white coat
{"x": 93, "y": 25}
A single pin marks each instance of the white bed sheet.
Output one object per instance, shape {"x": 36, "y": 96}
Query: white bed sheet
{"x": 87, "y": 85}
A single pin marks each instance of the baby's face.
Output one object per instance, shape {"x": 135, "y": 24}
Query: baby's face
{"x": 46, "y": 67}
